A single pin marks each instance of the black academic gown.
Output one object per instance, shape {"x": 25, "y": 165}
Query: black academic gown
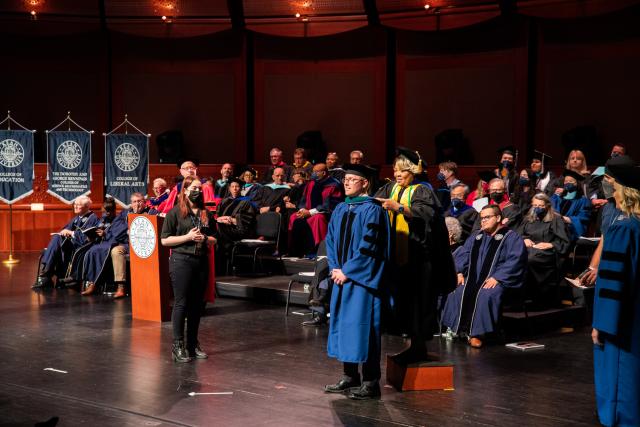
{"x": 417, "y": 285}
{"x": 544, "y": 264}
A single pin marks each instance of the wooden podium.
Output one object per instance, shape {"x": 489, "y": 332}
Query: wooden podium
{"x": 149, "y": 262}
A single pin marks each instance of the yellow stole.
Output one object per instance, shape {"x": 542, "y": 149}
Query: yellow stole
{"x": 401, "y": 225}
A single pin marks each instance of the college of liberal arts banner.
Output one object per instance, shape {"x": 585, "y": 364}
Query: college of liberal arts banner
{"x": 16, "y": 165}
{"x": 126, "y": 166}
{"x": 69, "y": 164}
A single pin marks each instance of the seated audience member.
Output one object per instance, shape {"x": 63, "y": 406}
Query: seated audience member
{"x": 465, "y": 214}
{"x": 447, "y": 180}
{"x": 335, "y": 171}
{"x": 277, "y": 161}
{"x": 506, "y": 169}
{"x": 94, "y": 236}
{"x": 236, "y": 220}
{"x": 356, "y": 157}
{"x": 490, "y": 261}
{"x": 160, "y": 195}
{"x": 220, "y": 189}
{"x": 510, "y": 213}
{"x": 114, "y": 244}
{"x": 455, "y": 232}
{"x": 479, "y": 195}
{"x": 251, "y": 189}
{"x": 544, "y": 177}
{"x": 547, "y": 240}
{"x": 300, "y": 161}
{"x": 524, "y": 190}
{"x": 187, "y": 168}
{"x": 570, "y": 202}
{"x": 62, "y": 245}
{"x": 274, "y": 193}
{"x": 308, "y": 226}
{"x": 576, "y": 162}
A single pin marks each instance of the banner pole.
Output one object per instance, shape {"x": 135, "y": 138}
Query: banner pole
{"x": 11, "y": 260}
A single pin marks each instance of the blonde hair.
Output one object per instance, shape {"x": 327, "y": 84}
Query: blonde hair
{"x": 630, "y": 200}
{"x": 404, "y": 164}
{"x": 585, "y": 168}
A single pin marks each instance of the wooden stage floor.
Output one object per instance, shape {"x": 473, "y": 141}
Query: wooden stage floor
{"x": 84, "y": 360}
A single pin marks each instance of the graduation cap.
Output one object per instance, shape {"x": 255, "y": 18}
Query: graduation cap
{"x": 541, "y": 157}
{"x": 508, "y": 149}
{"x": 575, "y": 175}
{"x": 620, "y": 161}
{"x": 359, "y": 169}
{"x": 236, "y": 180}
{"x": 628, "y": 176}
{"x": 487, "y": 176}
{"x": 249, "y": 169}
{"x": 412, "y": 155}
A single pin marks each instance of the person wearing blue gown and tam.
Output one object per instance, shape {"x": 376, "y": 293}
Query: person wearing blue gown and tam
{"x": 114, "y": 245}
{"x": 616, "y": 311}
{"x": 491, "y": 260}
{"x": 570, "y": 202}
{"x": 60, "y": 249}
{"x": 357, "y": 251}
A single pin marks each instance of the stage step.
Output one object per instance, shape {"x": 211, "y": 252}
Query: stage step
{"x": 268, "y": 290}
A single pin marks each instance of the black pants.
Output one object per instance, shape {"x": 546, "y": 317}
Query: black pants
{"x": 370, "y": 368}
{"x": 189, "y": 276}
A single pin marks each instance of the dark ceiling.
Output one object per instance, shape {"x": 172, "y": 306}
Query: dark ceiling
{"x": 182, "y": 18}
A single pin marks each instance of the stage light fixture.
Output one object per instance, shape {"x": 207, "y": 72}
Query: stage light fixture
{"x": 298, "y": 15}
{"x": 32, "y": 6}
{"x": 427, "y": 6}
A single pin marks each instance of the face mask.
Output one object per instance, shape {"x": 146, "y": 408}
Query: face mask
{"x": 540, "y": 212}
{"x": 524, "y": 181}
{"x": 614, "y": 155}
{"x": 497, "y": 196}
{"x": 195, "y": 196}
{"x": 315, "y": 176}
{"x": 457, "y": 203}
{"x": 441, "y": 176}
{"x": 607, "y": 189}
{"x": 507, "y": 165}
{"x": 571, "y": 195}
{"x": 570, "y": 188}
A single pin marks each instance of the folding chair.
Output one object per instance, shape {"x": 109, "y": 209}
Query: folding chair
{"x": 268, "y": 230}
{"x": 320, "y": 271}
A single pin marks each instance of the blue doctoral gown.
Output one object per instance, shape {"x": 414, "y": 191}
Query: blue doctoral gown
{"x": 62, "y": 247}
{"x": 362, "y": 255}
{"x": 616, "y": 315}
{"x": 508, "y": 266}
{"x": 117, "y": 234}
{"x": 579, "y": 210}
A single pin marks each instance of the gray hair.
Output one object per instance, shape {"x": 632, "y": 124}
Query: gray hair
{"x": 357, "y": 152}
{"x": 531, "y": 216}
{"x": 83, "y": 200}
{"x": 160, "y": 181}
{"x": 454, "y": 228}
{"x": 276, "y": 150}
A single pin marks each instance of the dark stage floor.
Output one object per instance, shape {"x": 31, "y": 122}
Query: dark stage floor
{"x": 87, "y": 362}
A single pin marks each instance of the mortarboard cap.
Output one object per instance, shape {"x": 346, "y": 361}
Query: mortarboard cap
{"x": 359, "y": 170}
{"x": 509, "y": 149}
{"x": 573, "y": 174}
{"x": 619, "y": 161}
{"x": 412, "y": 155}
{"x": 625, "y": 175}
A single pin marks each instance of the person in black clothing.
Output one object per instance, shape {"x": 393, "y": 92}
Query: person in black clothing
{"x": 188, "y": 229}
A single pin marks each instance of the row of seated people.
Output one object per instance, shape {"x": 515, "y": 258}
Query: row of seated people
{"x": 78, "y": 254}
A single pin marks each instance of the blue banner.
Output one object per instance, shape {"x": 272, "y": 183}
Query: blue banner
{"x": 16, "y": 165}
{"x": 69, "y": 164}
{"x": 126, "y": 166}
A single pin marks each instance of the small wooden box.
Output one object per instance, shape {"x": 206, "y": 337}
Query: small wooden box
{"x": 432, "y": 374}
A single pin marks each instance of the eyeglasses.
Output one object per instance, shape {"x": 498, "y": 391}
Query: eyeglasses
{"x": 189, "y": 168}
{"x": 486, "y": 217}
{"x": 346, "y": 180}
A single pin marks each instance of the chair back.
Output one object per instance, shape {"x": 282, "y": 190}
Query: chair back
{"x": 268, "y": 226}
{"x": 322, "y": 248}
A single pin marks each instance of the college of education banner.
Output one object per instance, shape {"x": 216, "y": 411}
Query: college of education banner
{"x": 16, "y": 165}
{"x": 126, "y": 166}
{"x": 69, "y": 164}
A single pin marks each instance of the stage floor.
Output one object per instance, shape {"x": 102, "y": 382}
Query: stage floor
{"x": 84, "y": 360}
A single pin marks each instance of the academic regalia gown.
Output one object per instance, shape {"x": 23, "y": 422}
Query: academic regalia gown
{"x": 273, "y": 195}
{"x": 472, "y": 309}
{"x": 358, "y": 244}
{"x": 544, "y": 264}
{"x": 616, "y": 315}
{"x": 578, "y": 209}
{"x": 75, "y": 270}
{"x": 243, "y": 211}
{"x": 159, "y": 203}
{"x": 417, "y": 243}
{"x": 60, "y": 249}
{"x": 467, "y": 216}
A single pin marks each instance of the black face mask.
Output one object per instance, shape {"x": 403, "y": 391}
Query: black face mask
{"x": 457, "y": 203}
{"x": 195, "y": 197}
{"x": 507, "y": 165}
{"x": 524, "y": 182}
{"x": 497, "y": 196}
